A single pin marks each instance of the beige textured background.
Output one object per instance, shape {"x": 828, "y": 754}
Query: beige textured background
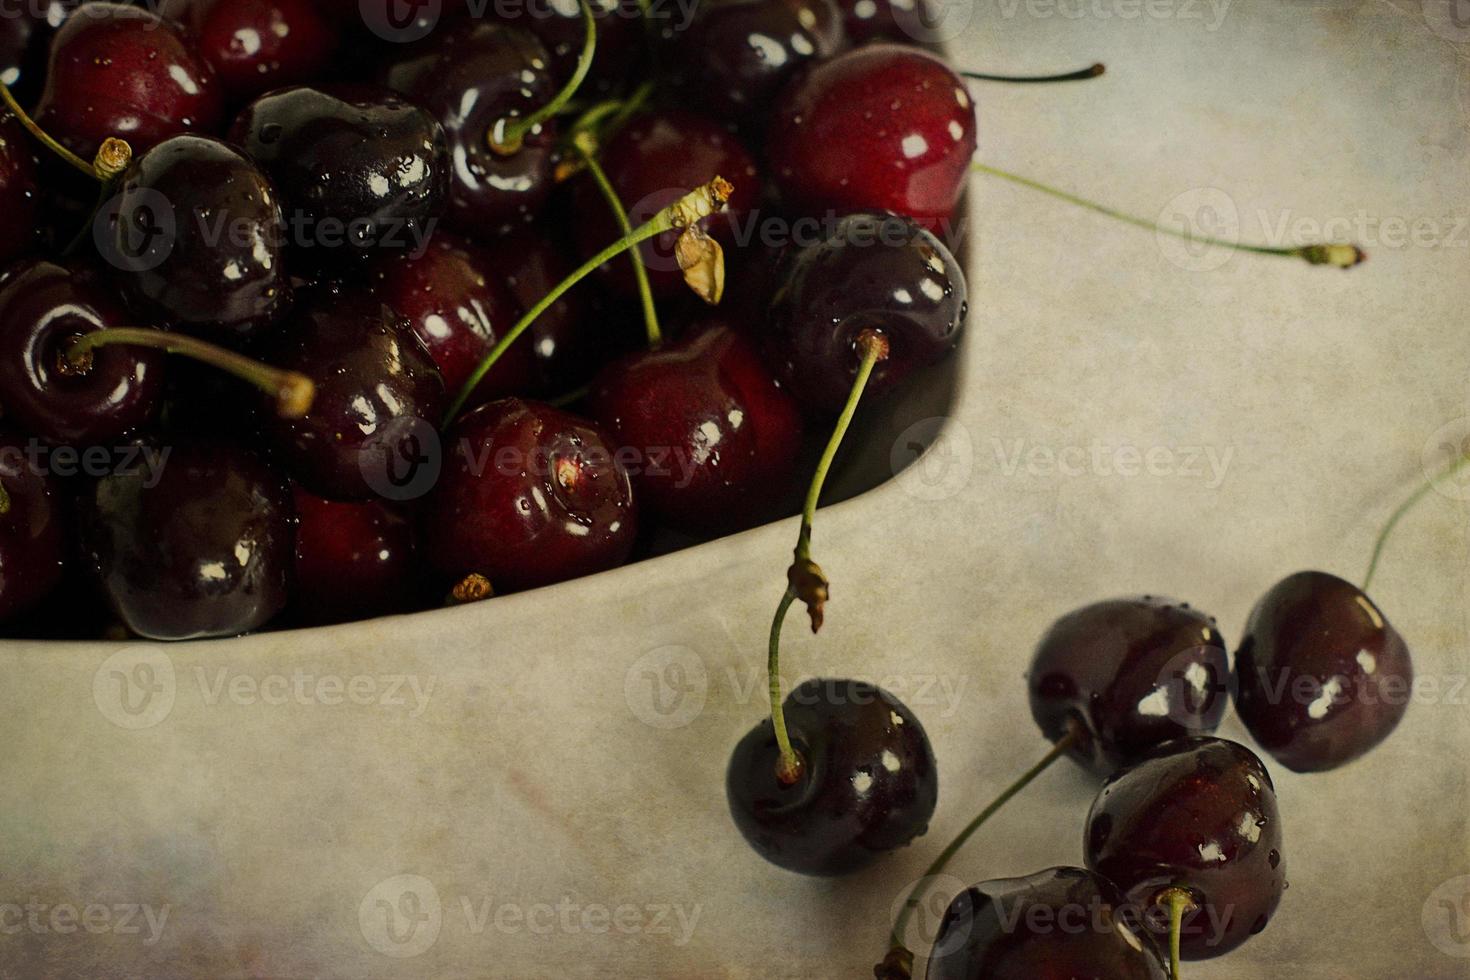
{"x": 542, "y": 770}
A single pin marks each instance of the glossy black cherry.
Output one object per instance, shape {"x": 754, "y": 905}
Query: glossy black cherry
{"x": 33, "y": 540}
{"x": 868, "y": 783}
{"x": 868, "y": 270}
{"x": 1199, "y": 814}
{"x": 360, "y": 171}
{"x": 1321, "y": 675}
{"x": 197, "y": 543}
{"x": 1127, "y": 675}
{"x": 124, "y": 71}
{"x": 736, "y": 54}
{"x": 196, "y": 236}
{"x": 43, "y": 307}
{"x": 530, "y": 495}
{"x": 1057, "y": 924}
{"x": 353, "y": 560}
{"x": 717, "y": 438}
{"x": 255, "y": 46}
{"x": 883, "y": 127}
{"x": 472, "y": 78}
{"x": 378, "y": 399}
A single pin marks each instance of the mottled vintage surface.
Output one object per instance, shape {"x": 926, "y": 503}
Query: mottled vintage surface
{"x": 554, "y": 783}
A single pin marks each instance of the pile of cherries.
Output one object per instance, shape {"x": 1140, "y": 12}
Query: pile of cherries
{"x": 309, "y": 315}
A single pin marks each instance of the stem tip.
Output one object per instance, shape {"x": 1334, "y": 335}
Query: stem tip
{"x": 897, "y": 965}
{"x": 295, "y": 395}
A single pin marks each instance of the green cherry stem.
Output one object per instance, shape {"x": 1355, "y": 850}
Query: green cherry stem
{"x": 895, "y": 939}
{"x": 692, "y": 207}
{"x": 1178, "y": 902}
{"x": 585, "y": 145}
{"x": 1455, "y": 465}
{"x": 292, "y": 391}
{"x": 1091, "y": 71}
{"x": 112, "y": 157}
{"x": 805, "y": 580}
{"x": 1337, "y": 255}
{"x": 507, "y": 135}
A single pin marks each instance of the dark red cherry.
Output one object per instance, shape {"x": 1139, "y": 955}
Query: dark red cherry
{"x": 1057, "y": 924}
{"x": 1321, "y": 674}
{"x": 353, "y": 560}
{"x": 530, "y": 495}
{"x": 455, "y": 298}
{"x": 882, "y": 127}
{"x": 474, "y": 77}
{"x": 866, "y": 271}
{"x": 558, "y": 25}
{"x": 1127, "y": 675}
{"x": 20, "y": 219}
{"x": 193, "y": 541}
{"x": 42, "y": 307}
{"x": 257, "y": 45}
{"x": 868, "y": 783}
{"x": 378, "y": 398}
{"x": 651, "y": 162}
{"x": 895, "y": 21}
{"x": 735, "y": 55}
{"x": 124, "y": 71}
{"x": 1198, "y": 814}
{"x": 360, "y": 171}
{"x": 196, "y": 236}
{"x": 32, "y": 539}
{"x": 715, "y": 437}
{"x": 577, "y": 334}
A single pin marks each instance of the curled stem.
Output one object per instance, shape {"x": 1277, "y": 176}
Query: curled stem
{"x": 584, "y": 144}
{"x": 1337, "y": 255}
{"x": 1455, "y": 465}
{"x": 508, "y": 135}
{"x": 292, "y": 391}
{"x": 697, "y": 204}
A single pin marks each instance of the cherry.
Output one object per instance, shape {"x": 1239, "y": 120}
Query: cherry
{"x": 43, "y": 307}
{"x": 716, "y": 436}
{"x": 530, "y": 495}
{"x": 126, "y": 72}
{"x": 651, "y": 161}
{"x": 882, "y": 127}
{"x": 867, "y": 782}
{"x": 736, "y": 54}
{"x": 558, "y": 25}
{"x": 197, "y": 544}
{"x": 378, "y": 395}
{"x": 353, "y": 560}
{"x": 257, "y": 45}
{"x": 894, "y": 21}
{"x": 32, "y": 538}
{"x": 1321, "y": 675}
{"x": 195, "y": 233}
{"x": 1195, "y": 819}
{"x": 867, "y": 272}
{"x": 22, "y": 36}
{"x": 361, "y": 170}
{"x": 1057, "y": 924}
{"x": 475, "y": 78}
{"x": 454, "y": 297}
{"x": 1125, "y": 675}
{"x": 20, "y": 218}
